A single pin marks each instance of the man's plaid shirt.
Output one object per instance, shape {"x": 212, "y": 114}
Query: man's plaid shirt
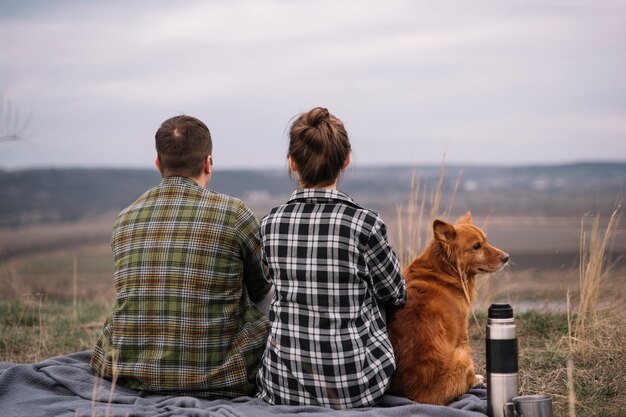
{"x": 330, "y": 263}
{"x": 188, "y": 262}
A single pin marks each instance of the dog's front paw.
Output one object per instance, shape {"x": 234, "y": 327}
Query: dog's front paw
{"x": 480, "y": 380}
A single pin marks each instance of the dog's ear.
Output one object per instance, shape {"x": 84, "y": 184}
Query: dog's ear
{"x": 465, "y": 219}
{"x": 443, "y": 232}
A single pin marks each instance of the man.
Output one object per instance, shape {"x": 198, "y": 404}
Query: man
{"x": 188, "y": 267}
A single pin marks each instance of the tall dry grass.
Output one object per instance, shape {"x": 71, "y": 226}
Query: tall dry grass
{"x": 576, "y": 358}
{"x": 593, "y": 272}
{"x": 415, "y": 217}
{"x": 414, "y": 220}
{"x": 410, "y": 232}
{"x": 416, "y": 232}
{"x": 582, "y": 366}
{"x": 597, "y": 327}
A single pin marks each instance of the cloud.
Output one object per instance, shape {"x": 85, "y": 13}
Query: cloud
{"x": 414, "y": 75}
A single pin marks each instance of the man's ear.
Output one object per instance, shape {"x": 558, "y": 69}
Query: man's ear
{"x": 157, "y": 163}
{"x": 208, "y": 164}
{"x": 465, "y": 219}
{"x": 443, "y": 232}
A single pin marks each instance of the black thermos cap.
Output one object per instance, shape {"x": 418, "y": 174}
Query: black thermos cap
{"x": 500, "y": 311}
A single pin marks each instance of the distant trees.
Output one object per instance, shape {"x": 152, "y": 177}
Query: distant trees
{"x": 12, "y": 124}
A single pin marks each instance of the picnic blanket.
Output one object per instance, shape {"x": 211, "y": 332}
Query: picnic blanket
{"x": 66, "y": 386}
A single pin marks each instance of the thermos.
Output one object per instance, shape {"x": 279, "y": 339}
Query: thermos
{"x": 502, "y": 384}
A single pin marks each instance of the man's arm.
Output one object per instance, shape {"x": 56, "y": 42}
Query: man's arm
{"x": 255, "y": 271}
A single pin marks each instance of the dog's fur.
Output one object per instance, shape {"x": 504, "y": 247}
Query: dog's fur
{"x": 429, "y": 335}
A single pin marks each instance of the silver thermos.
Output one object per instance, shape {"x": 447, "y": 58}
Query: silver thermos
{"x": 501, "y": 359}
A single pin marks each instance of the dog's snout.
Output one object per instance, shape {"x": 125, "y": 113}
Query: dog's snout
{"x": 504, "y": 258}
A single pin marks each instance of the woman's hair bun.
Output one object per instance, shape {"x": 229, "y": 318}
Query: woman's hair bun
{"x": 317, "y": 116}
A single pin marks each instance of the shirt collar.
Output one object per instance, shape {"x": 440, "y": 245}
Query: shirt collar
{"x": 316, "y": 195}
{"x": 179, "y": 180}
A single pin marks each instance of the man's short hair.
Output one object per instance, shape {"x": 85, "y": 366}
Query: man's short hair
{"x": 183, "y": 144}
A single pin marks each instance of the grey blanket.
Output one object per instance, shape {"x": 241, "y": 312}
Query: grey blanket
{"x": 65, "y": 386}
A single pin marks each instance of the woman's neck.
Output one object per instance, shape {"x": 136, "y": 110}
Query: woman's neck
{"x": 332, "y": 186}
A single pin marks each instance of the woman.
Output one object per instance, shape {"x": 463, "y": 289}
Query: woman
{"x": 331, "y": 265}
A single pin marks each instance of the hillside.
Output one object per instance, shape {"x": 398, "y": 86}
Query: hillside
{"x": 42, "y": 196}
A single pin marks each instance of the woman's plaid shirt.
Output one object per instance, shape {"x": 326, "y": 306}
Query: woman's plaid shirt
{"x": 330, "y": 263}
{"x": 188, "y": 261}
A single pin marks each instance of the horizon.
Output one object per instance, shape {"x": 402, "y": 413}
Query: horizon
{"x": 357, "y": 166}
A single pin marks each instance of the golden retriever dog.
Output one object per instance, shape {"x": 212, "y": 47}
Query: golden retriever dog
{"x": 429, "y": 334}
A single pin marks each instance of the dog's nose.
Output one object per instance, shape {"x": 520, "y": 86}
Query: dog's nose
{"x": 504, "y": 258}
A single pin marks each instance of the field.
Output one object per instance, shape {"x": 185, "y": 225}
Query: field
{"x": 55, "y": 299}
{"x": 544, "y": 260}
{"x": 57, "y": 288}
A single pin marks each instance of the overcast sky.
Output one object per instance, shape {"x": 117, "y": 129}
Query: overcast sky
{"x": 485, "y": 82}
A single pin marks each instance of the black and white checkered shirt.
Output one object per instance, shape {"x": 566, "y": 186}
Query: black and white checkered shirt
{"x": 330, "y": 263}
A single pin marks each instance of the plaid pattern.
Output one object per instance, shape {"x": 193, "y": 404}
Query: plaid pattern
{"x": 330, "y": 263}
{"x": 188, "y": 262}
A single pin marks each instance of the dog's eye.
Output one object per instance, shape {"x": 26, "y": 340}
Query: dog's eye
{"x": 477, "y": 245}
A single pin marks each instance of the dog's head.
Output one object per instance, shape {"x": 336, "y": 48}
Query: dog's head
{"x": 466, "y": 248}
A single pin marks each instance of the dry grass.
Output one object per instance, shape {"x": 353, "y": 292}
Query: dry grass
{"x": 410, "y": 232}
{"x": 596, "y": 385}
{"x": 593, "y": 273}
{"x": 33, "y": 329}
{"x": 54, "y": 303}
{"x": 413, "y": 228}
{"x": 576, "y": 356}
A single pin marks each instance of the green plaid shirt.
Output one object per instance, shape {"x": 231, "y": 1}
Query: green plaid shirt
{"x": 188, "y": 264}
